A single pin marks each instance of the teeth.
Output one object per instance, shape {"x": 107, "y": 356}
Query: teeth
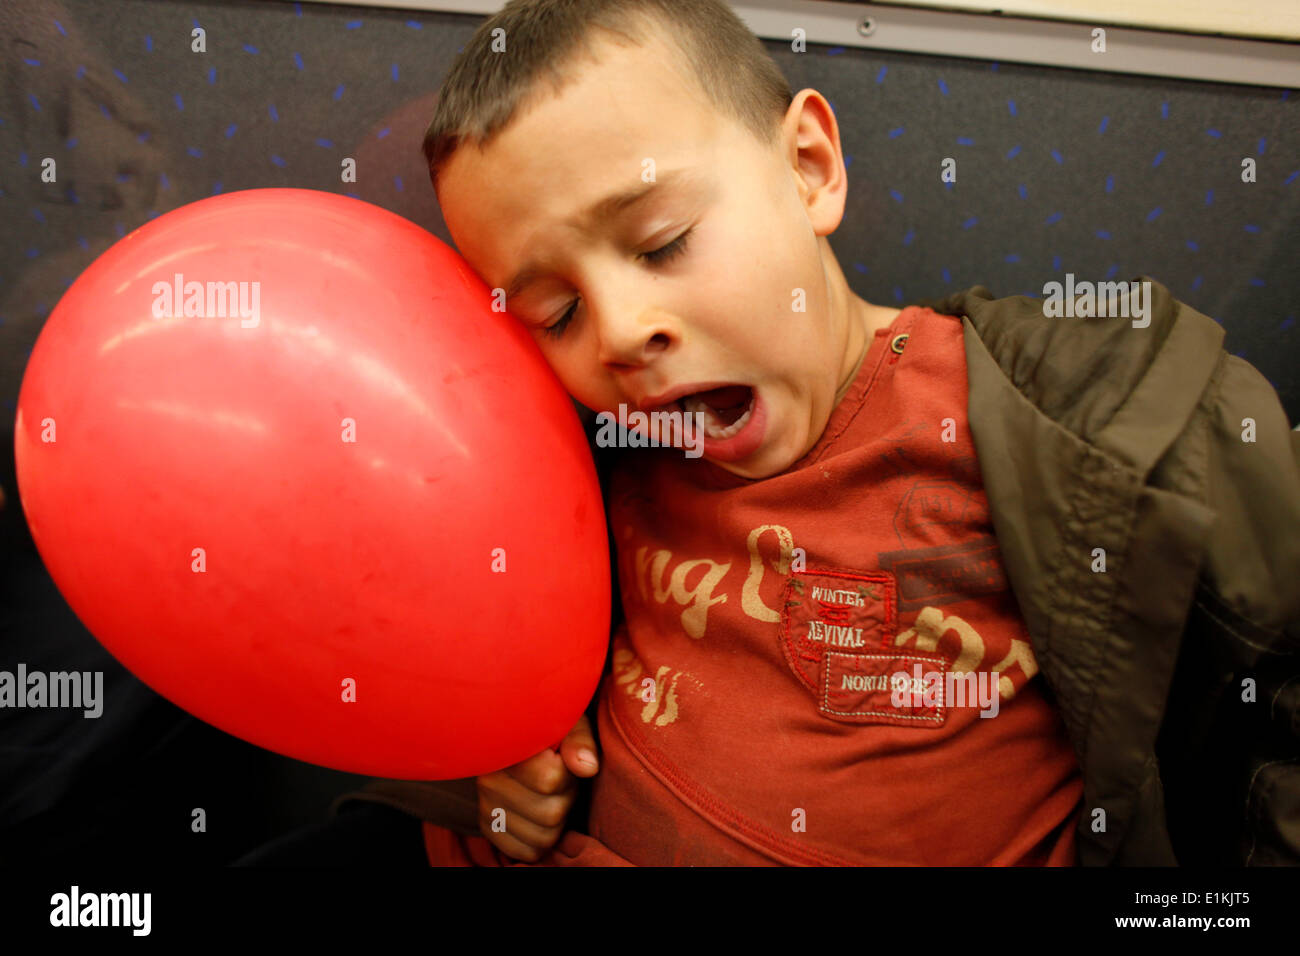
{"x": 713, "y": 426}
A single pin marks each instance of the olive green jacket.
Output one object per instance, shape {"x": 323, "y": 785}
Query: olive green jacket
{"x": 1176, "y": 669}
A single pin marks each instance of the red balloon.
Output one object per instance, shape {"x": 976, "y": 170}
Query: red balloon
{"x": 287, "y": 464}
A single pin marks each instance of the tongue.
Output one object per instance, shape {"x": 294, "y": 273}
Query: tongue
{"x": 727, "y": 398}
{"x": 728, "y": 403}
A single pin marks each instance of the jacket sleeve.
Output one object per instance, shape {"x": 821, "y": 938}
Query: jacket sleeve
{"x": 1230, "y": 741}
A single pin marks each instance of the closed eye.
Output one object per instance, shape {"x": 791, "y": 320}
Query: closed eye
{"x": 658, "y": 257}
{"x": 670, "y": 251}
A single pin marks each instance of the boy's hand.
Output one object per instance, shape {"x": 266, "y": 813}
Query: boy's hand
{"x": 536, "y": 795}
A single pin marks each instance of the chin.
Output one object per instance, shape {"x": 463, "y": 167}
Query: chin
{"x": 764, "y": 464}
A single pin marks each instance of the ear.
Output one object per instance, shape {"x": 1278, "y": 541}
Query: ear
{"x": 812, "y": 146}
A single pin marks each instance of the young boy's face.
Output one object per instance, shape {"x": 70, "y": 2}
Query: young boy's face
{"x": 654, "y": 320}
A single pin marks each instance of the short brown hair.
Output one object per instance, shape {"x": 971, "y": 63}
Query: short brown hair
{"x": 484, "y": 90}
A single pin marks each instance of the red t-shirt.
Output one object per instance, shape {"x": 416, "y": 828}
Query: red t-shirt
{"x": 805, "y": 659}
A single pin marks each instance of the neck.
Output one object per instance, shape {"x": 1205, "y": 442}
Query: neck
{"x": 857, "y": 364}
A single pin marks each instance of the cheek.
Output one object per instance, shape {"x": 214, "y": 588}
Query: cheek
{"x": 585, "y": 382}
{"x": 789, "y": 303}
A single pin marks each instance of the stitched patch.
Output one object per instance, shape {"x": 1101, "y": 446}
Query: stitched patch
{"x": 905, "y": 690}
{"x": 850, "y": 612}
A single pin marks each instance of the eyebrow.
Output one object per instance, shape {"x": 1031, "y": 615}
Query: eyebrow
{"x": 615, "y": 204}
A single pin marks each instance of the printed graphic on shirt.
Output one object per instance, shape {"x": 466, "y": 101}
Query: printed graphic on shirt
{"x": 656, "y": 577}
{"x": 941, "y": 503}
{"x": 818, "y": 613}
{"x": 936, "y": 576}
{"x": 657, "y": 693}
{"x": 839, "y": 636}
{"x": 1014, "y": 669}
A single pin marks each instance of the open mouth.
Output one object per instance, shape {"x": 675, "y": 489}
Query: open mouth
{"x": 723, "y": 411}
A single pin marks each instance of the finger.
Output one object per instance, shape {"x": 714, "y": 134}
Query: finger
{"x": 579, "y": 750}
{"x": 492, "y": 820}
{"x": 544, "y": 773}
{"x": 514, "y": 848}
{"x": 544, "y": 810}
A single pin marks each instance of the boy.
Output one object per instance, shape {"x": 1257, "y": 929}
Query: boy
{"x": 923, "y": 598}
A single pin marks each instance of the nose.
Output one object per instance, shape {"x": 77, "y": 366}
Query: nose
{"x": 635, "y": 339}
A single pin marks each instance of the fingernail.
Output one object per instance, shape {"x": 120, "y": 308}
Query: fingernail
{"x": 587, "y": 759}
